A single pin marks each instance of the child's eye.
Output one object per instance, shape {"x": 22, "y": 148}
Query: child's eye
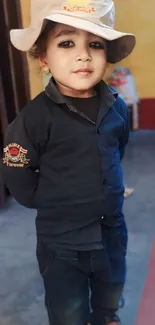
{"x": 97, "y": 45}
{"x": 66, "y": 44}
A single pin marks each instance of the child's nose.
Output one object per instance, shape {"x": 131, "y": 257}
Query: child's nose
{"x": 83, "y": 54}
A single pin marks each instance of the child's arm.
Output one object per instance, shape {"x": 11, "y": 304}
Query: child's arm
{"x": 21, "y": 159}
{"x": 125, "y": 134}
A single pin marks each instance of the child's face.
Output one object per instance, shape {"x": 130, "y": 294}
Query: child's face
{"x": 76, "y": 59}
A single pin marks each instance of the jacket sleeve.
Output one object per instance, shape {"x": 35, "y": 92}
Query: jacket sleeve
{"x": 126, "y": 129}
{"x": 20, "y": 166}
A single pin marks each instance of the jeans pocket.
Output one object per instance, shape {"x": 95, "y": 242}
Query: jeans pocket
{"x": 67, "y": 255}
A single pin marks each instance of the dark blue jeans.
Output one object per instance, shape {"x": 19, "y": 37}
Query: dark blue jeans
{"x": 85, "y": 286}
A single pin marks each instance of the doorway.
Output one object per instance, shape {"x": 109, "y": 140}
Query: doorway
{"x": 14, "y": 76}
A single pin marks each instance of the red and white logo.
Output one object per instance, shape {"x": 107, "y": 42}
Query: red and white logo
{"x": 15, "y": 155}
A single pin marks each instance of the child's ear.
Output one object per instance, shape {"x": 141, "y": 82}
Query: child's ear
{"x": 43, "y": 64}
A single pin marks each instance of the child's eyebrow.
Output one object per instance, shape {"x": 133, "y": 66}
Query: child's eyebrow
{"x": 66, "y": 32}
{"x": 69, "y": 31}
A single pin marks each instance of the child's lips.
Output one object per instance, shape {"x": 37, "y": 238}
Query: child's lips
{"x": 83, "y": 72}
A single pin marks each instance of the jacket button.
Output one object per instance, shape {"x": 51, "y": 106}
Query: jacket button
{"x": 102, "y": 217}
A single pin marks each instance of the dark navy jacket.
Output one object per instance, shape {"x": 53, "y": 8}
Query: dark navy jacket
{"x": 61, "y": 163}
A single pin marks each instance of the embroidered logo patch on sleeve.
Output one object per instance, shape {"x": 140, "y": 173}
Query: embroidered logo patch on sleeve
{"x": 15, "y": 155}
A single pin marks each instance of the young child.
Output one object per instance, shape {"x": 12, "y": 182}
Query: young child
{"x": 62, "y": 157}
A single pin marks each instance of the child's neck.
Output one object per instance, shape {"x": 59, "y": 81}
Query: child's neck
{"x": 75, "y": 93}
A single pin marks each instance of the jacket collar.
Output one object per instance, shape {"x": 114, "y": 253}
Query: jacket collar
{"x": 107, "y": 97}
{"x": 108, "y": 94}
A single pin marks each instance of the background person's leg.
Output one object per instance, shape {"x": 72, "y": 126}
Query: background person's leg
{"x": 66, "y": 287}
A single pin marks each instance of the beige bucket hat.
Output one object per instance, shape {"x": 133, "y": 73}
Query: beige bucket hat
{"x": 94, "y": 16}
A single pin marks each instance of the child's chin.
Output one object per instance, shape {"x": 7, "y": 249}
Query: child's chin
{"x": 83, "y": 84}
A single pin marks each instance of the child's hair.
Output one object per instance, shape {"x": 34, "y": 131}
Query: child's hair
{"x": 40, "y": 46}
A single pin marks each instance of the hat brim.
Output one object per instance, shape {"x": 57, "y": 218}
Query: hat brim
{"x": 120, "y": 45}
